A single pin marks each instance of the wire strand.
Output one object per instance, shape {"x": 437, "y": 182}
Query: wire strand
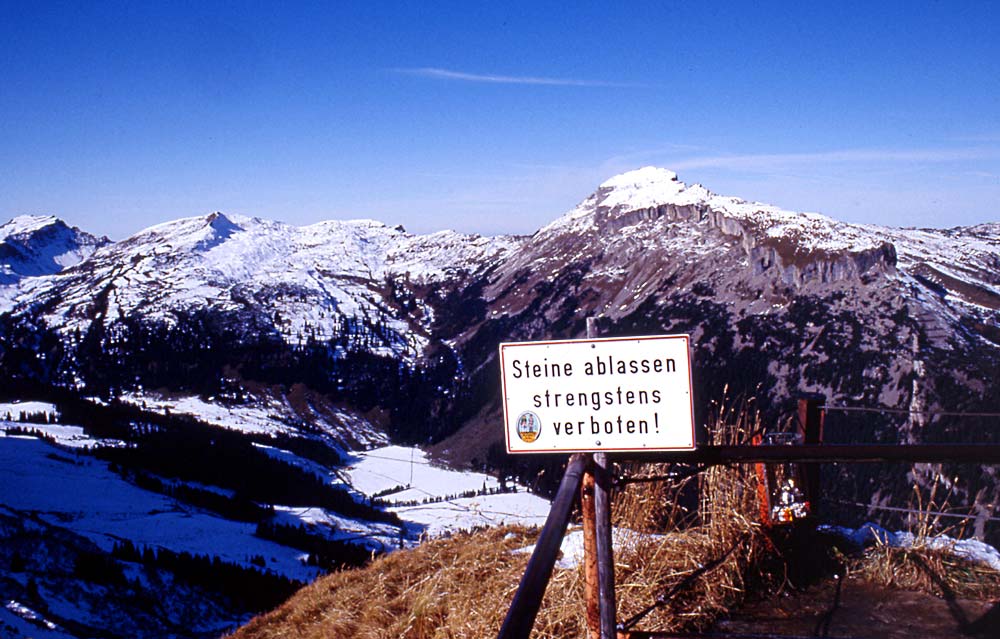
{"x": 908, "y": 510}
{"x": 906, "y": 411}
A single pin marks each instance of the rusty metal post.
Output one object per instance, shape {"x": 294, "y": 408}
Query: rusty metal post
{"x": 591, "y": 581}
{"x": 605, "y": 549}
{"x": 810, "y": 425}
{"x": 598, "y": 553}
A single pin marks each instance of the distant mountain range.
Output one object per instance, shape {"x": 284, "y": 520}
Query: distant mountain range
{"x": 403, "y": 329}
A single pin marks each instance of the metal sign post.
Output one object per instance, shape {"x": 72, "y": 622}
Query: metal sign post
{"x": 602, "y": 549}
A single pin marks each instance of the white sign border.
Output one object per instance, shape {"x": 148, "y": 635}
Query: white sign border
{"x": 598, "y": 449}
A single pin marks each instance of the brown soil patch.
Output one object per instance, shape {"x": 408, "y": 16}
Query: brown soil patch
{"x": 863, "y": 610}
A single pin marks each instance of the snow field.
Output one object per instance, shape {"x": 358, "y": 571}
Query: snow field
{"x": 389, "y": 467}
{"x": 28, "y": 622}
{"x": 266, "y": 416}
{"x": 81, "y": 494}
{"x": 13, "y": 409}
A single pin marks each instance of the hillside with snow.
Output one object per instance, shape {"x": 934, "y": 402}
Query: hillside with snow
{"x": 308, "y": 282}
{"x": 62, "y": 506}
{"x": 32, "y": 246}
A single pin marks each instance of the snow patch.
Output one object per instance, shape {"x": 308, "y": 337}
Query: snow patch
{"x": 571, "y": 549}
{"x": 11, "y": 410}
{"x": 79, "y": 492}
{"x": 869, "y": 534}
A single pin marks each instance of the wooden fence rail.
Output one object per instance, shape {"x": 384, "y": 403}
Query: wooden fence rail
{"x": 915, "y": 453}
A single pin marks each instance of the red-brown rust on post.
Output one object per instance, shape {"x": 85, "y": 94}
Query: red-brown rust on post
{"x": 591, "y": 586}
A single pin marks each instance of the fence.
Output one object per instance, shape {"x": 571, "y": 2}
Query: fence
{"x": 589, "y": 476}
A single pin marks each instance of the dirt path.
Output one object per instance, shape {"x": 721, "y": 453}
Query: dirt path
{"x": 863, "y": 611}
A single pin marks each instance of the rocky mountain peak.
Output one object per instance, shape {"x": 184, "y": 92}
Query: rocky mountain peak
{"x": 23, "y": 225}
{"x": 649, "y": 210}
{"x": 221, "y": 223}
{"x": 33, "y": 245}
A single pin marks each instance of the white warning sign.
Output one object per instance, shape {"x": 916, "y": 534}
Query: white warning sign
{"x": 612, "y": 394}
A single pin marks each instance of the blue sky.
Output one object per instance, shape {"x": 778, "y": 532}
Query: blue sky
{"x": 493, "y": 117}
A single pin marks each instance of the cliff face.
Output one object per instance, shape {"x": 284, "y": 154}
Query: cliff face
{"x": 797, "y": 266}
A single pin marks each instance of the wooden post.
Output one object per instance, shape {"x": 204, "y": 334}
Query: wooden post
{"x": 591, "y": 583}
{"x": 591, "y": 574}
{"x": 605, "y": 550}
{"x": 810, "y": 425}
{"x": 599, "y": 566}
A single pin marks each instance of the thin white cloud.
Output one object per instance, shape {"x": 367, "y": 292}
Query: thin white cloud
{"x": 985, "y": 138}
{"x": 449, "y": 74}
{"x": 774, "y": 161}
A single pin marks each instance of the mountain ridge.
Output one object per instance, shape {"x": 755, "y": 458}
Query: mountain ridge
{"x": 777, "y": 303}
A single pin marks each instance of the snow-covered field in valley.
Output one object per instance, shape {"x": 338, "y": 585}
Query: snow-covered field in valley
{"x": 80, "y": 493}
{"x": 430, "y": 496}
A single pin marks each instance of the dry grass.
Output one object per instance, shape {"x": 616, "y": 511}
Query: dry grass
{"x": 461, "y": 587}
{"x": 925, "y": 570}
{"x": 455, "y": 587}
{"x": 723, "y": 520}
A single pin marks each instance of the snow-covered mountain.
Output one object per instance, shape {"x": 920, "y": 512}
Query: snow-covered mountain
{"x": 299, "y": 282}
{"x": 647, "y": 250}
{"x": 638, "y": 224}
{"x": 778, "y": 304}
{"x": 32, "y": 245}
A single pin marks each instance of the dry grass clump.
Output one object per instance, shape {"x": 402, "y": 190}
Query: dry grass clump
{"x": 706, "y": 520}
{"x": 925, "y": 566}
{"x": 927, "y": 570}
{"x": 695, "y": 557}
{"x": 458, "y": 587}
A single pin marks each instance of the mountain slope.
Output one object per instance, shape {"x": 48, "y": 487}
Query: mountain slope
{"x": 295, "y": 281}
{"x": 208, "y": 305}
{"x": 31, "y": 246}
